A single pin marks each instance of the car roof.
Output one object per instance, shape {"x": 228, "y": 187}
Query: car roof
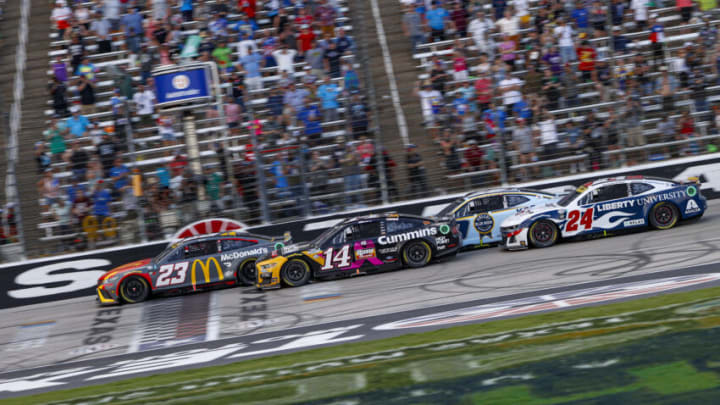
{"x": 628, "y": 178}
{"x": 369, "y": 217}
{"x": 503, "y": 191}
{"x": 213, "y": 236}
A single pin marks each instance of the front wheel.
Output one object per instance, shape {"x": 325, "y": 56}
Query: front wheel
{"x": 246, "y": 272}
{"x": 543, "y": 234}
{"x": 295, "y": 273}
{"x": 664, "y": 215}
{"x": 416, "y": 253}
{"x": 134, "y": 289}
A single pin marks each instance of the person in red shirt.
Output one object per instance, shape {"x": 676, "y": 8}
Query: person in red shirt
{"x": 473, "y": 157}
{"x": 305, "y": 40}
{"x": 248, "y": 7}
{"x": 586, "y": 55}
{"x": 178, "y": 164}
{"x": 483, "y": 89}
{"x": 303, "y": 19}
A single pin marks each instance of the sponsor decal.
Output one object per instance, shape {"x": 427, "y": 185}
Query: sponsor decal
{"x": 442, "y": 240}
{"x": 29, "y": 337}
{"x": 484, "y": 223}
{"x": 617, "y": 205}
{"x": 205, "y": 267}
{"x": 652, "y": 199}
{"x": 691, "y": 191}
{"x": 364, "y": 253}
{"x": 691, "y": 207}
{"x": 256, "y": 252}
{"x": 57, "y": 275}
{"x": 633, "y": 222}
{"x": 444, "y": 229}
{"x": 388, "y": 250}
{"x": 405, "y": 236}
{"x": 103, "y": 326}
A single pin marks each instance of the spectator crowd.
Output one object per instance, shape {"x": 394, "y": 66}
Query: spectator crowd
{"x": 553, "y": 86}
{"x": 291, "y": 97}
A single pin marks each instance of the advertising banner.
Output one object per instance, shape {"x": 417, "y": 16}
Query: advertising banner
{"x": 187, "y": 85}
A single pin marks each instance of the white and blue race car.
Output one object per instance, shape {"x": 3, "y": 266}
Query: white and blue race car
{"x": 479, "y": 214}
{"x": 604, "y": 205}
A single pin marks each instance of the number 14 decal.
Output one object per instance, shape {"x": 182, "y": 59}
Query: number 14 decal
{"x": 167, "y": 270}
{"x": 585, "y": 221}
{"x": 341, "y": 258}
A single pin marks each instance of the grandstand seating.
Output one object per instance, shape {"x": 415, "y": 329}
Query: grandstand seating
{"x": 677, "y": 36}
{"x": 151, "y": 153}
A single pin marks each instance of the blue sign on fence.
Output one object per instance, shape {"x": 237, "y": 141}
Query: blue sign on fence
{"x": 182, "y": 86}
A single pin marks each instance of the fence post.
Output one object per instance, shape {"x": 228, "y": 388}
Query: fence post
{"x": 130, "y": 140}
{"x": 303, "y": 183}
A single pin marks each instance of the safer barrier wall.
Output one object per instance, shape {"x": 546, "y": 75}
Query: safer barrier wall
{"x": 75, "y": 275}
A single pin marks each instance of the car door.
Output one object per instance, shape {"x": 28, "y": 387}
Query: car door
{"x": 193, "y": 265}
{"x": 477, "y": 219}
{"x": 611, "y": 206}
{"x": 235, "y": 248}
{"x": 389, "y": 245}
{"x": 337, "y": 251}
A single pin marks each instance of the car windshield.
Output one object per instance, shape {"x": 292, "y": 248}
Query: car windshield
{"x": 165, "y": 253}
{"x": 571, "y": 196}
{"x": 327, "y": 234}
{"x": 449, "y": 208}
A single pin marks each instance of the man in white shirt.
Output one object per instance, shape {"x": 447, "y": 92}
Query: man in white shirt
{"x": 246, "y": 46}
{"x": 479, "y": 29}
{"x": 144, "y": 100}
{"x": 508, "y": 24}
{"x": 564, "y": 33}
{"x": 548, "y": 137}
{"x": 640, "y": 12}
{"x": 61, "y": 15}
{"x": 510, "y": 89}
{"x": 285, "y": 59}
{"x": 428, "y": 99}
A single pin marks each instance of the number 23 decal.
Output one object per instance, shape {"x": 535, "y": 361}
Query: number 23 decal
{"x": 166, "y": 271}
{"x": 585, "y": 220}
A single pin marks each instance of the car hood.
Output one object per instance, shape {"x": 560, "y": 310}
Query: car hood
{"x": 296, "y": 247}
{"x": 526, "y": 213}
{"x": 132, "y": 266}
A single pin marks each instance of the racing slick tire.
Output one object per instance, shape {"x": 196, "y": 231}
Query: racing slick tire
{"x": 295, "y": 272}
{"x": 245, "y": 273}
{"x": 416, "y": 253}
{"x": 134, "y": 289}
{"x": 543, "y": 234}
{"x": 664, "y": 215}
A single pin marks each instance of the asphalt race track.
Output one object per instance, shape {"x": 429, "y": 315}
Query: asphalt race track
{"x": 53, "y": 336}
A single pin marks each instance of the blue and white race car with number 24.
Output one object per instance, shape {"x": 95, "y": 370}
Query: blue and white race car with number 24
{"x": 611, "y": 204}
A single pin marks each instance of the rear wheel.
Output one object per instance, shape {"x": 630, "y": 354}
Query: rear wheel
{"x": 246, "y": 272}
{"x": 543, "y": 234}
{"x": 416, "y": 253}
{"x": 664, "y": 215}
{"x": 295, "y": 273}
{"x": 134, "y": 289}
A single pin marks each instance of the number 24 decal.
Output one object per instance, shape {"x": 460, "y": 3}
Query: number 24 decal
{"x": 166, "y": 271}
{"x": 341, "y": 258}
{"x": 585, "y": 221}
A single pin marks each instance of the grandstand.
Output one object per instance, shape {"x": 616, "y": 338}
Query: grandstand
{"x": 309, "y": 123}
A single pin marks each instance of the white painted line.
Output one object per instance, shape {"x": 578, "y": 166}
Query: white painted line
{"x": 382, "y": 39}
{"x": 212, "y": 331}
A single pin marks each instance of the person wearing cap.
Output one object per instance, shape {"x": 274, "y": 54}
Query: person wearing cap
{"x": 77, "y": 124}
{"x": 524, "y": 143}
{"x": 61, "y": 15}
{"x": 325, "y": 17}
{"x": 144, "y": 100}
{"x": 665, "y": 86}
{"x": 415, "y": 170}
{"x": 412, "y": 27}
{"x": 438, "y": 20}
{"x": 657, "y": 39}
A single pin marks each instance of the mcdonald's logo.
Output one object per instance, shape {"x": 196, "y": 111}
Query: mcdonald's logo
{"x": 205, "y": 267}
